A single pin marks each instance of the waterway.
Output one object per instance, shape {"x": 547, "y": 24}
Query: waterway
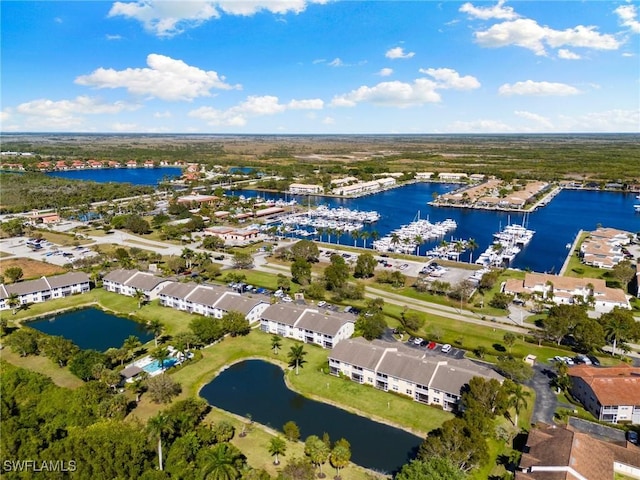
{"x": 135, "y": 176}
{"x": 556, "y": 225}
{"x": 257, "y": 388}
{"x": 91, "y": 328}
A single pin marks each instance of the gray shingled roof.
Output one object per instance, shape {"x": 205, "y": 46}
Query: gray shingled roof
{"x": 282, "y": 314}
{"x": 322, "y": 323}
{"x": 357, "y": 351}
{"x": 178, "y": 290}
{"x": 120, "y": 276}
{"x": 205, "y": 295}
{"x": 30, "y": 286}
{"x": 67, "y": 279}
{"x": 144, "y": 281}
{"x": 237, "y": 303}
{"x": 413, "y": 369}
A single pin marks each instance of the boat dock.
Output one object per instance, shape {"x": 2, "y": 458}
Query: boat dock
{"x": 570, "y": 253}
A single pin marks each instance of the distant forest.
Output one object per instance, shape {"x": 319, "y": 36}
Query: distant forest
{"x": 599, "y": 158}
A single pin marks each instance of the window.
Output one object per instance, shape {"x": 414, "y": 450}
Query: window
{"x": 395, "y": 388}
{"x": 409, "y": 391}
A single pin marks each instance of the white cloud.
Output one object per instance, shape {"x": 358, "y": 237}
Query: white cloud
{"x": 628, "y": 17}
{"x": 616, "y": 120}
{"x": 328, "y": 120}
{"x": 398, "y": 53}
{"x": 480, "y": 126}
{"x": 166, "y": 78}
{"x": 64, "y": 114}
{"x": 395, "y": 94}
{"x": 568, "y": 54}
{"x": 449, "y": 78}
{"x": 165, "y": 114}
{"x": 498, "y": 11}
{"x": 113, "y": 37}
{"x": 336, "y": 62}
{"x": 124, "y": 127}
{"x": 529, "y": 87}
{"x": 253, "y": 106}
{"x": 539, "y": 119}
{"x": 528, "y": 34}
{"x": 311, "y": 104}
{"x": 385, "y": 72}
{"x": 167, "y": 18}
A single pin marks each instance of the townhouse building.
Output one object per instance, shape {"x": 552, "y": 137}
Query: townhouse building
{"x": 307, "y": 325}
{"x": 426, "y": 377}
{"x": 611, "y": 394}
{"x": 45, "y": 288}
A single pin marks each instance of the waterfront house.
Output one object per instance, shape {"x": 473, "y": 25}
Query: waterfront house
{"x": 128, "y": 282}
{"x": 611, "y": 394}
{"x": 568, "y": 290}
{"x": 197, "y": 200}
{"x": 45, "y": 288}
{"x": 357, "y": 188}
{"x": 426, "y": 377}
{"x": 338, "y": 182}
{"x": 421, "y": 176}
{"x": 234, "y": 236}
{"x": 452, "y": 177}
{"x": 562, "y": 453}
{"x": 305, "y": 189}
{"x": 603, "y": 247}
{"x": 211, "y": 300}
{"x": 307, "y": 325}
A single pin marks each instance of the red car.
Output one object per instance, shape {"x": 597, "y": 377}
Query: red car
{"x": 432, "y": 345}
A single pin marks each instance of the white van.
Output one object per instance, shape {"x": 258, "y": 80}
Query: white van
{"x": 446, "y": 348}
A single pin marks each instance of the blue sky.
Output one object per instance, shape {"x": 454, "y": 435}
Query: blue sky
{"x": 320, "y": 66}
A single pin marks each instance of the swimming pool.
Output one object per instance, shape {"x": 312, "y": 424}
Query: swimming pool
{"x": 154, "y": 367}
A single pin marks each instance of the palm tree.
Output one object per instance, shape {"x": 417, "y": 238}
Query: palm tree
{"x": 160, "y": 355}
{"x": 364, "y": 235}
{"x": 276, "y": 343}
{"x": 518, "y": 399}
{"x": 374, "y": 235}
{"x": 140, "y": 296}
{"x": 471, "y": 245}
{"x": 220, "y": 462}
{"x": 296, "y": 356}
{"x": 155, "y": 327}
{"x": 395, "y": 239}
{"x": 277, "y": 446}
{"x": 13, "y": 301}
{"x": 188, "y": 255}
{"x": 355, "y": 234}
{"x": 418, "y": 239}
{"x": 340, "y": 456}
{"x": 158, "y": 427}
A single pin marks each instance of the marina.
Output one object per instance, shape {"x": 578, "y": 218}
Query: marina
{"x": 408, "y": 238}
{"x": 508, "y": 243}
{"x": 556, "y": 225}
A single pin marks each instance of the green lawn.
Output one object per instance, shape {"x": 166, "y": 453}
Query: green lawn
{"x": 313, "y": 381}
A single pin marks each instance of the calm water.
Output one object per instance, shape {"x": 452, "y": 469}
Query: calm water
{"x": 92, "y": 328}
{"x": 256, "y": 387}
{"x": 135, "y": 176}
{"x": 556, "y": 225}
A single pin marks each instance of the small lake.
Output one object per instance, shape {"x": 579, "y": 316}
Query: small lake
{"x": 135, "y": 176}
{"x": 257, "y": 388}
{"x": 91, "y": 328}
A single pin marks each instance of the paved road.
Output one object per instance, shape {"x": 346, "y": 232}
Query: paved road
{"x": 546, "y": 400}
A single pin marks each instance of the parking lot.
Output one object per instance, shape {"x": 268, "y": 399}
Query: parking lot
{"x": 426, "y": 268}
{"x": 44, "y": 251}
{"x": 435, "y": 348}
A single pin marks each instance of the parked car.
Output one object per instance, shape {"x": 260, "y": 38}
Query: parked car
{"x": 322, "y": 303}
{"x": 417, "y": 341}
{"x": 632, "y": 436}
{"x": 287, "y": 299}
{"x": 432, "y": 345}
{"x": 446, "y": 348}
